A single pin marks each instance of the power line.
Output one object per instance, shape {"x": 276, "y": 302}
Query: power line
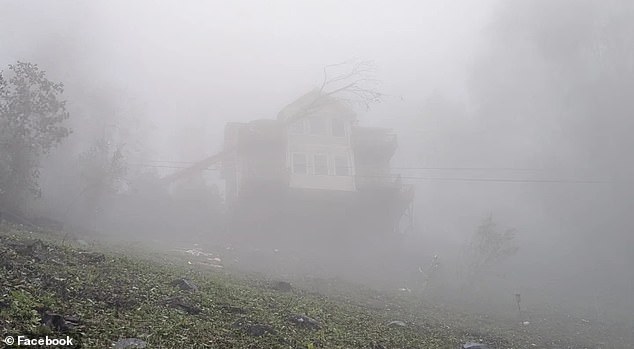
{"x": 500, "y": 180}
{"x": 392, "y": 168}
{"x": 172, "y": 167}
{"x": 471, "y": 168}
{"x": 174, "y": 162}
{"x": 420, "y": 178}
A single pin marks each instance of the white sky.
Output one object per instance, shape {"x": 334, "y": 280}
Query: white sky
{"x": 194, "y": 65}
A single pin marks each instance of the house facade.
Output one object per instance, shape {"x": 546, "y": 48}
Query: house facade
{"x": 313, "y": 162}
{"x": 319, "y": 151}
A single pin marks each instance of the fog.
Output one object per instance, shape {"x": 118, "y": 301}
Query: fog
{"x": 517, "y": 111}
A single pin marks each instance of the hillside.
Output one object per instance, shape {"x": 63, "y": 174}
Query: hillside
{"x": 107, "y": 297}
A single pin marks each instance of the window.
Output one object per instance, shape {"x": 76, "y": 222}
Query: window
{"x": 299, "y": 164}
{"x": 321, "y": 164}
{"x": 342, "y": 167}
{"x": 338, "y": 128}
{"x": 318, "y": 126}
{"x": 297, "y": 127}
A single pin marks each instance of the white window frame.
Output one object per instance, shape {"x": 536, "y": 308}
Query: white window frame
{"x": 347, "y": 166}
{"x": 293, "y": 163}
{"x": 327, "y": 163}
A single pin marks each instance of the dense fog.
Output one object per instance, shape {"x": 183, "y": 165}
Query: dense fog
{"x": 511, "y": 116}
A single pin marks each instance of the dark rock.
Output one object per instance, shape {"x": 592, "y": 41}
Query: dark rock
{"x": 183, "y": 305}
{"x": 282, "y": 286}
{"x": 304, "y": 321}
{"x": 185, "y": 285}
{"x": 258, "y": 330}
{"x": 129, "y": 343}
{"x": 254, "y": 330}
{"x": 58, "y": 322}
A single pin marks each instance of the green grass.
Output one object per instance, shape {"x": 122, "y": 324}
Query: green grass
{"x": 120, "y": 293}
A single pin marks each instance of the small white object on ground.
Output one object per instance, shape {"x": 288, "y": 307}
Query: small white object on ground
{"x": 396, "y": 323}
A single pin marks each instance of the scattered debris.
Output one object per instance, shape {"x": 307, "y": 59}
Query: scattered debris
{"x": 211, "y": 265}
{"x": 474, "y": 345}
{"x": 196, "y": 252}
{"x": 185, "y": 285}
{"x": 396, "y": 323}
{"x": 124, "y": 288}
{"x": 129, "y": 343}
{"x": 304, "y": 321}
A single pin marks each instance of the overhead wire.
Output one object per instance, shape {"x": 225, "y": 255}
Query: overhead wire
{"x": 435, "y": 178}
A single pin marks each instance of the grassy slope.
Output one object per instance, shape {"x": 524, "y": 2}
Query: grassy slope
{"x": 117, "y": 295}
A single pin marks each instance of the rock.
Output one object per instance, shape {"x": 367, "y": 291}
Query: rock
{"x": 54, "y": 321}
{"x": 57, "y": 322}
{"x": 304, "y": 321}
{"x": 254, "y": 330}
{"x": 126, "y": 343}
{"x": 185, "y": 306}
{"x": 185, "y": 285}
{"x": 282, "y": 286}
{"x": 258, "y": 330}
{"x": 396, "y": 323}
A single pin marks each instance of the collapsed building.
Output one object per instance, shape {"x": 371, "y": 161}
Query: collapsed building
{"x": 310, "y": 175}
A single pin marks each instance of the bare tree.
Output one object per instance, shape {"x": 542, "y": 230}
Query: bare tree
{"x": 352, "y": 81}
